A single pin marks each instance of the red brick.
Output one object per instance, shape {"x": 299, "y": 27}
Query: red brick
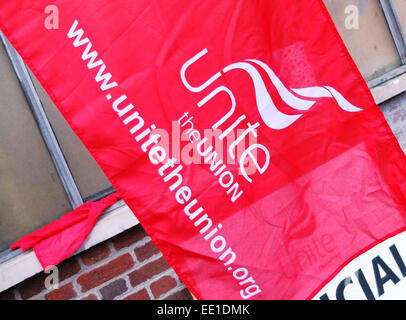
{"x": 113, "y": 289}
{"x": 63, "y": 293}
{"x": 180, "y": 295}
{"x": 139, "y": 295}
{"x": 129, "y": 237}
{"x": 90, "y": 297}
{"x": 146, "y": 251}
{"x": 36, "y": 284}
{"x": 95, "y": 254}
{"x": 106, "y": 272}
{"x": 7, "y": 295}
{"x": 162, "y": 285}
{"x": 32, "y": 286}
{"x": 67, "y": 268}
{"x": 148, "y": 271}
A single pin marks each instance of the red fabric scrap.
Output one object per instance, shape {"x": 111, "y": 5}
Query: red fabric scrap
{"x": 57, "y": 241}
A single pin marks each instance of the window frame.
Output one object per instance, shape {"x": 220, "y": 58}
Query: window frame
{"x": 399, "y": 39}
{"x": 395, "y": 28}
{"x": 50, "y": 140}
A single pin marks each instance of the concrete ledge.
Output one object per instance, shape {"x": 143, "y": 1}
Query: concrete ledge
{"x": 389, "y": 88}
{"x": 113, "y": 221}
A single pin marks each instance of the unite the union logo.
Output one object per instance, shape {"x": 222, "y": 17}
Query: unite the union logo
{"x": 301, "y": 99}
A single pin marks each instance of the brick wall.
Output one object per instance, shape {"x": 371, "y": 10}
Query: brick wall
{"x": 126, "y": 267}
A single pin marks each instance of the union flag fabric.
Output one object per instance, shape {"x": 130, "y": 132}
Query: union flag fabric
{"x": 240, "y": 133}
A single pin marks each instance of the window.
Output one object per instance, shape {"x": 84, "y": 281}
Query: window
{"x": 377, "y": 45}
{"x": 87, "y": 175}
{"x": 31, "y": 192}
{"x": 400, "y": 8}
{"x": 45, "y": 170}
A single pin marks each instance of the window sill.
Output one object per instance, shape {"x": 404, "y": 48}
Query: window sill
{"x": 23, "y": 265}
{"x": 389, "y": 85}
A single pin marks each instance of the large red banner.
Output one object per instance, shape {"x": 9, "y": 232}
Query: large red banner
{"x": 240, "y": 133}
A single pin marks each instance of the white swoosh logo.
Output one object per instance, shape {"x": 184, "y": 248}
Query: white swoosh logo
{"x": 272, "y": 117}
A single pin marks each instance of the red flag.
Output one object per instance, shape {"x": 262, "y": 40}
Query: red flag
{"x": 240, "y": 132}
{"x": 58, "y": 240}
